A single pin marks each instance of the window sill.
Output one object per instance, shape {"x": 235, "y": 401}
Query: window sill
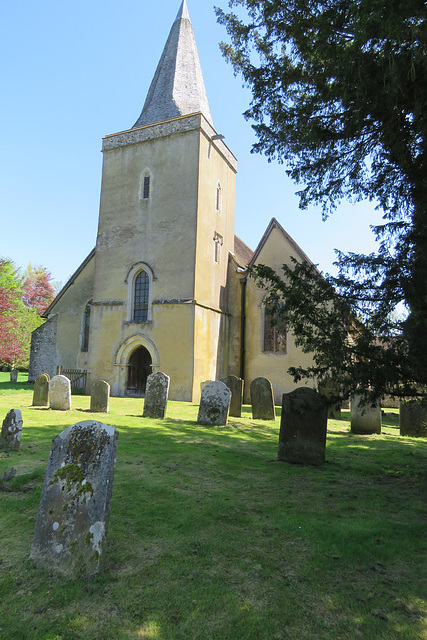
{"x": 138, "y": 322}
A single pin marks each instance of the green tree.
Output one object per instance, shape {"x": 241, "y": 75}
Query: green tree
{"x": 339, "y": 94}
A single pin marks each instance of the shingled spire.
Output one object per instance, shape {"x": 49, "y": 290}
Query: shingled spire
{"x": 177, "y": 88}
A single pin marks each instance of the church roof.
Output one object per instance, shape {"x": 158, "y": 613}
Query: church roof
{"x": 177, "y": 88}
{"x": 242, "y": 252}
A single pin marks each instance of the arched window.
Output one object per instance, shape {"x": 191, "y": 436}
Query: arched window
{"x": 141, "y": 296}
{"x": 274, "y": 334}
{"x": 86, "y": 327}
{"x": 218, "y": 197}
{"x": 139, "y": 281}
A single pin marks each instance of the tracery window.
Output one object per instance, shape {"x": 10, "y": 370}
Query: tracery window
{"x": 275, "y": 334}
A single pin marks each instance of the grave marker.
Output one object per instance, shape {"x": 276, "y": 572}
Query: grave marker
{"x": 214, "y": 404}
{"x": 72, "y": 520}
{"x": 156, "y": 395}
{"x": 10, "y": 437}
{"x": 60, "y": 393}
{"x": 41, "y": 391}
{"x": 262, "y": 400}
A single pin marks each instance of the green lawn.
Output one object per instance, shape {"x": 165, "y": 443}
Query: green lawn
{"x": 211, "y": 538}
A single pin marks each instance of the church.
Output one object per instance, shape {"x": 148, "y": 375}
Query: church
{"x": 166, "y": 287}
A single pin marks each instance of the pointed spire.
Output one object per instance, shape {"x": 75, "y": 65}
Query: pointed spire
{"x": 183, "y": 12}
{"x": 177, "y": 88}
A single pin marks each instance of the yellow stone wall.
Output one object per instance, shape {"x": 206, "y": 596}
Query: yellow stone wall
{"x": 276, "y": 251}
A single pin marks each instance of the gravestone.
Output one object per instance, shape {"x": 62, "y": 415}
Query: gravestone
{"x": 413, "y": 418}
{"x": 60, "y": 393}
{"x": 303, "y": 427}
{"x": 14, "y": 375}
{"x": 365, "y": 415}
{"x": 10, "y": 437}
{"x": 72, "y": 520}
{"x": 262, "y": 400}
{"x": 204, "y": 384}
{"x": 235, "y": 385}
{"x": 41, "y": 391}
{"x": 100, "y": 397}
{"x": 214, "y": 404}
{"x": 328, "y": 388}
{"x": 156, "y": 395}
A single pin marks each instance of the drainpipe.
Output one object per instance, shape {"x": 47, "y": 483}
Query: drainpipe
{"x": 243, "y": 283}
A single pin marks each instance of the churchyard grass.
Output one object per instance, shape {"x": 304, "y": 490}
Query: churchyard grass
{"x": 211, "y": 538}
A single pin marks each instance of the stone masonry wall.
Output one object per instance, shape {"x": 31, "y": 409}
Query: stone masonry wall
{"x": 43, "y": 350}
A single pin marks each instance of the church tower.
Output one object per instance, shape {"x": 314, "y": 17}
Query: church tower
{"x": 166, "y": 227}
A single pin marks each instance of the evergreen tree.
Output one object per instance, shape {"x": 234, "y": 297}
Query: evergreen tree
{"x": 340, "y": 95}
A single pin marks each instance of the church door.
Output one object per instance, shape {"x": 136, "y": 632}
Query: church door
{"x": 138, "y": 371}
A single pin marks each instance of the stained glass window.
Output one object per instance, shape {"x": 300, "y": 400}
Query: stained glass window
{"x": 274, "y": 334}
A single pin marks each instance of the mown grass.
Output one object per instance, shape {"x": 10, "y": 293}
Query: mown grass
{"x": 211, "y": 538}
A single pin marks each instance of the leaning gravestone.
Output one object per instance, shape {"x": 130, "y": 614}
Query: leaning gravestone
{"x": 156, "y": 395}
{"x": 214, "y": 404}
{"x": 41, "y": 391}
{"x": 365, "y": 415}
{"x": 10, "y": 437}
{"x": 235, "y": 385}
{"x": 60, "y": 393}
{"x": 262, "y": 400}
{"x": 303, "y": 427}
{"x": 14, "y": 375}
{"x": 100, "y": 397}
{"x": 72, "y": 520}
{"x": 413, "y": 418}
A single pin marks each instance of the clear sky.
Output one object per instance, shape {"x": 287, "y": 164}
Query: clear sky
{"x": 73, "y": 72}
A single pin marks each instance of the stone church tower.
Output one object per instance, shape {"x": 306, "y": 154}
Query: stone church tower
{"x": 165, "y": 287}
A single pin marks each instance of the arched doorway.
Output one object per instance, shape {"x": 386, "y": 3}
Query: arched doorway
{"x": 139, "y": 368}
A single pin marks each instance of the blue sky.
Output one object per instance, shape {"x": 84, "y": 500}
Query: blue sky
{"x": 74, "y": 72}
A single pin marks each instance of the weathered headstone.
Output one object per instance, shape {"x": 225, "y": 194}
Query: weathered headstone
{"x": 204, "y": 384}
{"x": 303, "y": 427}
{"x": 10, "y": 437}
{"x": 262, "y": 400}
{"x": 365, "y": 415}
{"x": 72, "y": 520}
{"x": 41, "y": 391}
{"x": 235, "y": 385}
{"x": 214, "y": 404}
{"x": 328, "y": 388}
{"x": 14, "y": 375}
{"x": 100, "y": 397}
{"x": 60, "y": 393}
{"x": 413, "y": 418}
{"x": 156, "y": 395}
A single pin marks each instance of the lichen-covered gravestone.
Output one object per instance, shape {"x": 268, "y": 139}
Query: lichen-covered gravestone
{"x": 14, "y": 375}
{"x": 214, "y": 404}
{"x": 72, "y": 521}
{"x": 303, "y": 427}
{"x": 262, "y": 399}
{"x": 41, "y": 391}
{"x": 100, "y": 397}
{"x": 365, "y": 415}
{"x": 60, "y": 393}
{"x": 156, "y": 395}
{"x": 235, "y": 385}
{"x": 413, "y": 418}
{"x": 10, "y": 437}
